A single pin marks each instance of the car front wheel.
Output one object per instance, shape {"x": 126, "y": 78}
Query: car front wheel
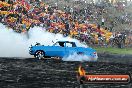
{"x": 39, "y": 55}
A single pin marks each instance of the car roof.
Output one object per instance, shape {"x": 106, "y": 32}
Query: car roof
{"x": 66, "y": 41}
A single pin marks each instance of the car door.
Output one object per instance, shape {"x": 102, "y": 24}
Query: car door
{"x": 70, "y": 50}
{"x": 57, "y": 50}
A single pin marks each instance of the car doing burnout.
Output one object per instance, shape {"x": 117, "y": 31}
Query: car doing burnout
{"x": 61, "y": 49}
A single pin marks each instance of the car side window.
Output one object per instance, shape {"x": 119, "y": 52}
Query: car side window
{"x": 61, "y": 44}
{"x": 68, "y": 45}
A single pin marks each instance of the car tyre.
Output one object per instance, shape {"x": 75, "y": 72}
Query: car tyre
{"x": 39, "y": 55}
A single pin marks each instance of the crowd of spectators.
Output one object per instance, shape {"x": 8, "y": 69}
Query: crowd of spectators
{"x": 21, "y": 15}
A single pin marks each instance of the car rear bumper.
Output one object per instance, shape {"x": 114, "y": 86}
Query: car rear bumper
{"x": 95, "y": 58}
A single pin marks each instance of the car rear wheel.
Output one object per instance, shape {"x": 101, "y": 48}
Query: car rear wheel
{"x": 39, "y": 55}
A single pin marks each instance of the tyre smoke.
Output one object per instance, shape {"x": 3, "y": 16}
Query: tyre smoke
{"x": 14, "y": 44}
{"x": 76, "y": 57}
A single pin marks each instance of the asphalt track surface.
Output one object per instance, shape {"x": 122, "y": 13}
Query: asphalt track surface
{"x": 32, "y": 73}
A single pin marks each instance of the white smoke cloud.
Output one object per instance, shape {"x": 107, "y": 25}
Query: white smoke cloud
{"x": 17, "y": 45}
{"x": 12, "y": 44}
{"x": 76, "y": 57}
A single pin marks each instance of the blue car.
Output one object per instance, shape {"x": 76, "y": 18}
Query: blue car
{"x": 61, "y": 49}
